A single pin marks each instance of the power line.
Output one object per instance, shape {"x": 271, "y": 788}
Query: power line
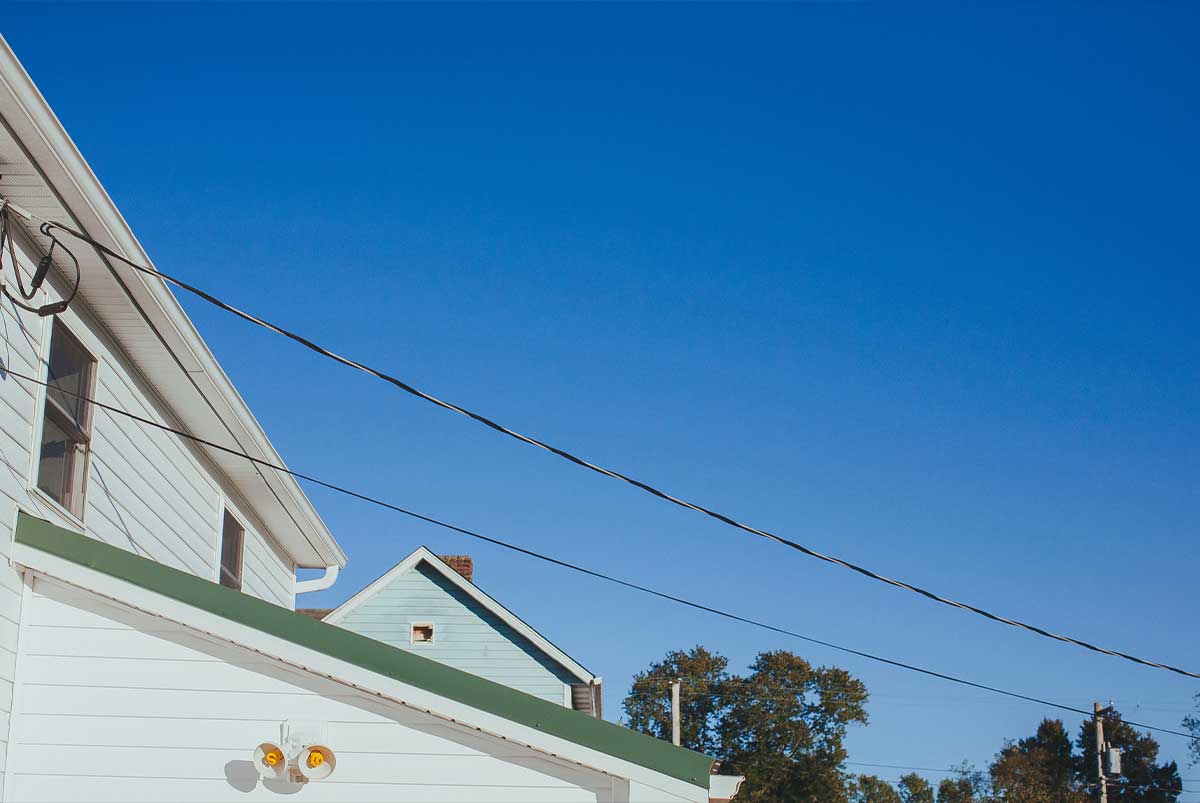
{"x": 579, "y": 461}
{"x": 947, "y": 770}
{"x": 565, "y": 564}
{"x": 783, "y": 692}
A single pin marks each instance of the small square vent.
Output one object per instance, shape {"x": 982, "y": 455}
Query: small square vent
{"x": 422, "y": 633}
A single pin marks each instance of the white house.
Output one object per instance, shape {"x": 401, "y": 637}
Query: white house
{"x": 430, "y": 605}
{"x": 149, "y": 646}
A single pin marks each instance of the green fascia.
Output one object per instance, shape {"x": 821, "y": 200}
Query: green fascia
{"x": 383, "y": 659}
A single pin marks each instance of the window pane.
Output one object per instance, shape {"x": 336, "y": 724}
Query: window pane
{"x": 232, "y": 536}
{"x": 69, "y": 368}
{"x": 54, "y": 462}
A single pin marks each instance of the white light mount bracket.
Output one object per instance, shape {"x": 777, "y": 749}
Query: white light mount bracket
{"x": 294, "y": 736}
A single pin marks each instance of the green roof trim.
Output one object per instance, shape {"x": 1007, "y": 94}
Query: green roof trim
{"x": 383, "y": 659}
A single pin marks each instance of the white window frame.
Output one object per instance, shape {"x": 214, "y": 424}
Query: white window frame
{"x": 67, "y": 507}
{"x": 228, "y": 513}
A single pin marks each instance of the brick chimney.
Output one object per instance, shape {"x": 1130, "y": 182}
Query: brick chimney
{"x": 461, "y": 564}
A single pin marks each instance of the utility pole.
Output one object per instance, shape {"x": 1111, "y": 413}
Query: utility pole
{"x": 1098, "y": 713}
{"x": 675, "y": 712}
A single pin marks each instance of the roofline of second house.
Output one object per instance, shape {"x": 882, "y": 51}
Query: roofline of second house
{"x": 175, "y": 359}
{"x": 476, "y": 593}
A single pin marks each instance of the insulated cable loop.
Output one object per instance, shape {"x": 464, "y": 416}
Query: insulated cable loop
{"x": 40, "y": 272}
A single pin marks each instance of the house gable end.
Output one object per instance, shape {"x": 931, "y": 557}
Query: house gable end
{"x": 459, "y": 630}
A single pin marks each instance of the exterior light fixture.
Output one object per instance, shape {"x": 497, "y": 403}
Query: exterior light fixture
{"x": 300, "y": 756}
{"x": 270, "y": 761}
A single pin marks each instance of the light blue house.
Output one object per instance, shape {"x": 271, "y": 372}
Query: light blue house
{"x": 427, "y": 606}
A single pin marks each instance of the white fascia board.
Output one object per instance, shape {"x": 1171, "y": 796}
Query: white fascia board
{"x": 86, "y": 203}
{"x": 473, "y": 591}
{"x": 213, "y": 626}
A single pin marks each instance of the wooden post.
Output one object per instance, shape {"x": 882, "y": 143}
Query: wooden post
{"x": 1098, "y": 722}
{"x": 675, "y": 712}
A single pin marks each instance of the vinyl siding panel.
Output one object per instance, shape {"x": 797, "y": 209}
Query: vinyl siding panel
{"x": 144, "y": 481}
{"x": 22, "y": 337}
{"x": 146, "y": 491}
{"x": 466, "y": 635}
{"x": 131, "y": 707}
{"x": 266, "y": 572}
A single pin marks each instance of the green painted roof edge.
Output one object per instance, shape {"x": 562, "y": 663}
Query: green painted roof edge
{"x": 374, "y": 656}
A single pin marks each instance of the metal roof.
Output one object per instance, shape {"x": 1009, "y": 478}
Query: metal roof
{"x": 374, "y": 656}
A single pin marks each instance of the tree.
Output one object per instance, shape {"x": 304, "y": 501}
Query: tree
{"x": 915, "y": 789}
{"x": 969, "y": 786}
{"x": 869, "y": 789}
{"x": 702, "y": 675}
{"x": 1038, "y": 769}
{"x": 784, "y": 726}
{"x": 955, "y": 790}
{"x": 1142, "y": 780}
{"x": 912, "y": 788}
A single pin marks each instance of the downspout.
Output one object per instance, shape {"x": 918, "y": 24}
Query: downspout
{"x": 318, "y": 583}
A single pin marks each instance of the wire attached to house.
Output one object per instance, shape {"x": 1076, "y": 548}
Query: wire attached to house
{"x": 5, "y": 371}
{"x": 40, "y": 273}
{"x": 579, "y": 461}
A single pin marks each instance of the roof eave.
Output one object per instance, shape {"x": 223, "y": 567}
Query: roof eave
{"x": 85, "y": 202}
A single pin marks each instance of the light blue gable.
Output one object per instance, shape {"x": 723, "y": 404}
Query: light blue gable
{"x": 467, "y": 636}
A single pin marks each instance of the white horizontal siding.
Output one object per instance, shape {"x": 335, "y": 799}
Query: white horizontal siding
{"x": 266, "y": 572}
{"x": 19, "y": 350}
{"x": 466, "y": 635}
{"x": 119, "y": 705}
{"x": 153, "y": 494}
{"x": 145, "y": 492}
{"x": 146, "y": 489}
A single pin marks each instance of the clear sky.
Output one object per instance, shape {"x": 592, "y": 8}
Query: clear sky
{"x": 916, "y": 287}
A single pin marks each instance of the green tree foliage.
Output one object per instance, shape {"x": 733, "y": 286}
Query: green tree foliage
{"x": 782, "y": 725}
{"x": 1048, "y": 768}
{"x": 1143, "y": 779}
{"x": 956, "y": 790}
{"x": 915, "y": 789}
{"x": 968, "y": 786}
{"x": 869, "y": 789}
{"x": 912, "y": 788}
{"x": 648, "y": 706}
{"x": 1038, "y": 769}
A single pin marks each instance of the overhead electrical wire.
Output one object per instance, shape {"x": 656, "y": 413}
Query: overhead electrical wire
{"x": 49, "y": 225}
{"x": 599, "y": 469}
{"x": 5, "y": 371}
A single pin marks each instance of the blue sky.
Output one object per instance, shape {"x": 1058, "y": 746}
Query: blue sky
{"x": 915, "y": 287}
